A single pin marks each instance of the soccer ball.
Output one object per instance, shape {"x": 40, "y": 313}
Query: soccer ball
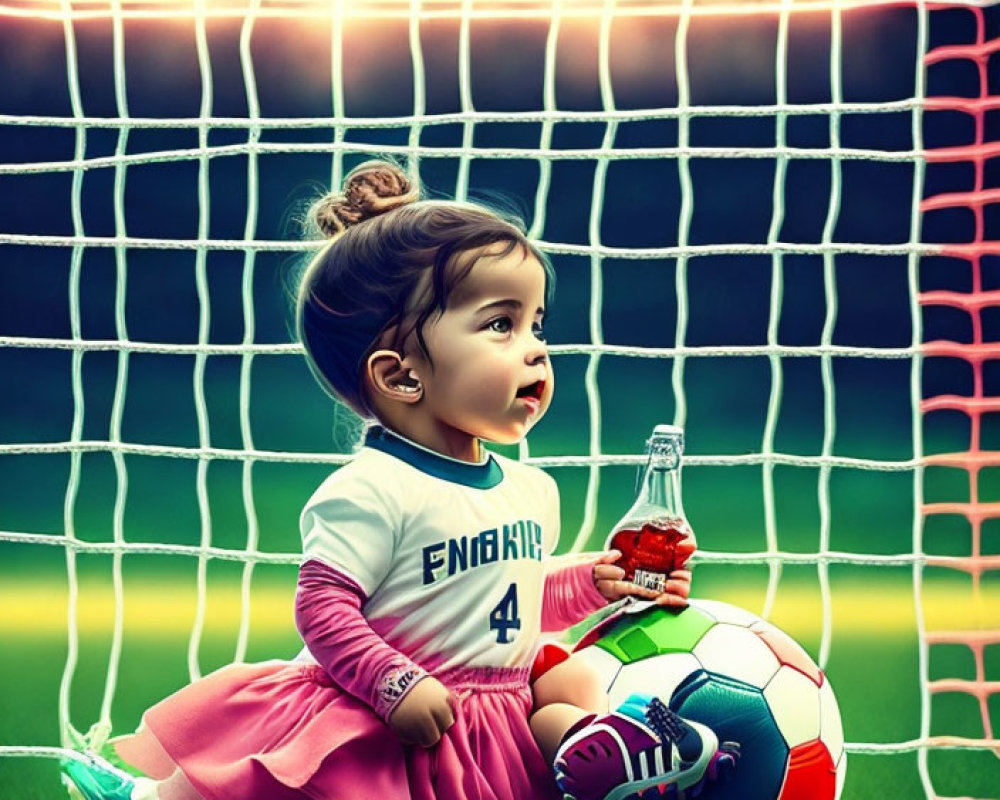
{"x": 750, "y": 682}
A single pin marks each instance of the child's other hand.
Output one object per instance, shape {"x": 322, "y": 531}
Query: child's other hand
{"x": 425, "y": 713}
{"x": 610, "y": 582}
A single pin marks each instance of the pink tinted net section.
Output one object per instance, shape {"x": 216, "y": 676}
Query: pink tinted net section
{"x": 976, "y": 353}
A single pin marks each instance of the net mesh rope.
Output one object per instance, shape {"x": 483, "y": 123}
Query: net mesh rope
{"x": 258, "y": 12}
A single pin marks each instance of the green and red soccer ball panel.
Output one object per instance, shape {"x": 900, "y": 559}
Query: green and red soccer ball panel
{"x": 743, "y": 677}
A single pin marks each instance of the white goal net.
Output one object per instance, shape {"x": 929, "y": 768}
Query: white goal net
{"x": 774, "y": 223}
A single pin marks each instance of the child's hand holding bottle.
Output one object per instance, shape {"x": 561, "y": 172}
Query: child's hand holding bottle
{"x": 653, "y": 541}
{"x": 611, "y": 581}
{"x": 425, "y": 713}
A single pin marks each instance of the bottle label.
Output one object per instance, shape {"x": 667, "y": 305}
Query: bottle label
{"x": 656, "y": 581}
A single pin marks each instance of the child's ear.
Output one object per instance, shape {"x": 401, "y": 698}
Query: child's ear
{"x": 391, "y": 378}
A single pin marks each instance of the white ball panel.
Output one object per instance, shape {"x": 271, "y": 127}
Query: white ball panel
{"x": 602, "y": 662}
{"x": 704, "y": 608}
{"x": 738, "y": 653}
{"x": 724, "y": 612}
{"x": 831, "y": 727}
{"x": 657, "y": 675}
{"x": 794, "y": 701}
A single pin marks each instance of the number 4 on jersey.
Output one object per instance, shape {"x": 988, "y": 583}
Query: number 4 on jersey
{"x": 504, "y": 616}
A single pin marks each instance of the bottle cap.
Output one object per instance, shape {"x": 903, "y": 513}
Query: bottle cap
{"x": 668, "y": 430}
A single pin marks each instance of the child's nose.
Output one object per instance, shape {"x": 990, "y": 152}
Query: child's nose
{"x": 537, "y": 351}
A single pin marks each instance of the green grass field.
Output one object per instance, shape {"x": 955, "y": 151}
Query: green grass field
{"x": 873, "y": 663}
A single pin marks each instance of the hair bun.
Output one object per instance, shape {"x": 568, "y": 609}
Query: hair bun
{"x": 370, "y": 189}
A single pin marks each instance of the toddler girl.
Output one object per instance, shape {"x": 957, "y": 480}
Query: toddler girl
{"x": 426, "y": 578}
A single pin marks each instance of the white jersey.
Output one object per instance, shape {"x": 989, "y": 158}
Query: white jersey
{"x": 448, "y": 553}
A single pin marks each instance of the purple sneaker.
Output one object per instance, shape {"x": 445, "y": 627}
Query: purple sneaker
{"x": 641, "y": 750}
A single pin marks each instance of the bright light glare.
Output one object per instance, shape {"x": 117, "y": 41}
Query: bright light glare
{"x": 424, "y": 9}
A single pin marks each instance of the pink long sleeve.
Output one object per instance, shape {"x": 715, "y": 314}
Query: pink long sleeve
{"x": 328, "y": 615}
{"x": 569, "y": 595}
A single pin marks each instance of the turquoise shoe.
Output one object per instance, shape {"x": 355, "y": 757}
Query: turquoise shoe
{"x": 93, "y": 778}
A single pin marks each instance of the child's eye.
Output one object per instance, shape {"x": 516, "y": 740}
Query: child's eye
{"x": 500, "y": 325}
{"x": 505, "y": 325}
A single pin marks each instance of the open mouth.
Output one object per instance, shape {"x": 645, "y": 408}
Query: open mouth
{"x": 532, "y": 390}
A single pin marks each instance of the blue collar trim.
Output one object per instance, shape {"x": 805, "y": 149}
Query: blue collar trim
{"x": 477, "y": 476}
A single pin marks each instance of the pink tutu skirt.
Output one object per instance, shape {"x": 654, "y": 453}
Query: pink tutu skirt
{"x": 284, "y": 731}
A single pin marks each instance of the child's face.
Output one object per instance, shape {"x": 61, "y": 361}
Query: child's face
{"x": 491, "y": 377}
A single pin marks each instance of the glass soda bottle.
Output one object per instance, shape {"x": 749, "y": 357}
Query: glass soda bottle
{"x": 654, "y": 536}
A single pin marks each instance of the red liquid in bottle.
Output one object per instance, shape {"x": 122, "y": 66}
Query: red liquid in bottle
{"x": 651, "y": 553}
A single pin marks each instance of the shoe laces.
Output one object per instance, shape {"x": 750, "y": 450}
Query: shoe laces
{"x": 664, "y": 721}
